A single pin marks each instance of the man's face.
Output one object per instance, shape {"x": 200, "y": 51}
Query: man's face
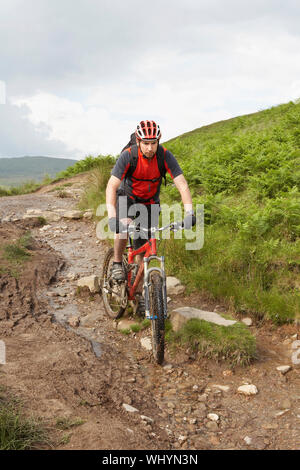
{"x": 149, "y": 148}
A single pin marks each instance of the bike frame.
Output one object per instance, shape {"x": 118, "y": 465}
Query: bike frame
{"x": 150, "y": 253}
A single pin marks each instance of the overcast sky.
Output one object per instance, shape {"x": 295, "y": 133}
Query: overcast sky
{"x": 79, "y": 75}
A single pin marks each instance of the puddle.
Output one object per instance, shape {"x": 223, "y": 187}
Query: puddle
{"x": 62, "y": 316}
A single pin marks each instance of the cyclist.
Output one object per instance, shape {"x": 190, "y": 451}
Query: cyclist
{"x": 128, "y": 186}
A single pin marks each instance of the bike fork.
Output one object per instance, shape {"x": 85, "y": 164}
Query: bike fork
{"x": 162, "y": 274}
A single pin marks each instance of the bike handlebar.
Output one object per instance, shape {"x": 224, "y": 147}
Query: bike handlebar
{"x": 174, "y": 226}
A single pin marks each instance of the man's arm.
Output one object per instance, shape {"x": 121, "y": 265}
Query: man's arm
{"x": 111, "y": 195}
{"x": 183, "y": 188}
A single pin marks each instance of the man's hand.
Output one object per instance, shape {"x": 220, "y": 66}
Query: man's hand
{"x": 120, "y": 226}
{"x": 116, "y": 227}
{"x": 189, "y": 221}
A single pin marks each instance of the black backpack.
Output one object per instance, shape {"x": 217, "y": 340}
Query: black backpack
{"x": 160, "y": 154}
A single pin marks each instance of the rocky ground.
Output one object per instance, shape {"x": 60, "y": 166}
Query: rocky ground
{"x": 66, "y": 359}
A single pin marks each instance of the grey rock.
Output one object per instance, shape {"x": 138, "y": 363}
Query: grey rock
{"x": 181, "y": 315}
{"x": 146, "y": 343}
{"x": 248, "y": 440}
{"x": 283, "y": 369}
{"x": 147, "y": 419}
{"x": 174, "y": 286}
{"x": 129, "y": 408}
{"x": 223, "y": 388}
{"x": 212, "y": 426}
{"x": 90, "y": 320}
{"x": 213, "y": 417}
{"x": 92, "y": 282}
{"x": 125, "y": 324}
{"x": 248, "y": 321}
{"x": 74, "y": 321}
{"x": 248, "y": 389}
{"x": 74, "y": 214}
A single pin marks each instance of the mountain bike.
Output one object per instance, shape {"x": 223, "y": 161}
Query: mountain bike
{"x": 116, "y": 294}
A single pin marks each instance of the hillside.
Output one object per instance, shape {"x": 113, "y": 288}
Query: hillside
{"x": 14, "y": 171}
{"x": 246, "y": 173}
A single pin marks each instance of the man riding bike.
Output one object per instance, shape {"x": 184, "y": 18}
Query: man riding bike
{"x": 139, "y": 183}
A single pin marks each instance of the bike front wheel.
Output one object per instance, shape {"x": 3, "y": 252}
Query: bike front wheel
{"x": 114, "y": 294}
{"x": 157, "y": 316}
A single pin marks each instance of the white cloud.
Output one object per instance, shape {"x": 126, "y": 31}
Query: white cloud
{"x": 89, "y": 71}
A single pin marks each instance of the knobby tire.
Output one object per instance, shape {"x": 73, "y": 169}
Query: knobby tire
{"x": 114, "y": 305}
{"x": 157, "y": 315}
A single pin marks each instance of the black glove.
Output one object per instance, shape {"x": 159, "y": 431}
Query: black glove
{"x": 189, "y": 221}
{"x": 115, "y": 226}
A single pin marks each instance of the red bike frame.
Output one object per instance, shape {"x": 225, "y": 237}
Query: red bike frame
{"x": 149, "y": 249}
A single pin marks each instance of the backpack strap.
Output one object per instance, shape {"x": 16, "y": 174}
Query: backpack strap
{"x": 161, "y": 156}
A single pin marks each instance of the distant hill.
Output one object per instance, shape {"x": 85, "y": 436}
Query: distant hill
{"x": 14, "y": 171}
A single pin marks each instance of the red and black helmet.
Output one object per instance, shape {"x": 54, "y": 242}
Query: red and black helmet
{"x": 148, "y": 130}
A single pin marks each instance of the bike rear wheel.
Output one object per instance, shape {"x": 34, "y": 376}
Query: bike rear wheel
{"x": 157, "y": 316}
{"x": 114, "y": 294}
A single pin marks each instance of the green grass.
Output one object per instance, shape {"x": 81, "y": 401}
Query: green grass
{"x": 16, "y": 254}
{"x": 136, "y": 328}
{"x": 234, "y": 344}
{"x": 64, "y": 423}
{"x": 246, "y": 173}
{"x": 17, "y": 431}
{"x": 125, "y": 331}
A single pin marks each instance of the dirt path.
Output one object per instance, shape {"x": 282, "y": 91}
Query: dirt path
{"x": 90, "y": 371}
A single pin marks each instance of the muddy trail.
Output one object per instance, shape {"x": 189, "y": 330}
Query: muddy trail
{"x": 65, "y": 358}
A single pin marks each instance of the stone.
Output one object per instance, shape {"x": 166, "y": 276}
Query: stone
{"x": 45, "y": 227}
{"x": 92, "y": 282}
{"x": 212, "y": 426}
{"x": 213, "y": 417}
{"x": 74, "y": 214}
{"x": 286, "y": 404}
{"x": 227, "y": 373}
{"x": 146, "y": 343}
{"x": 248, "y": 321}
{"x": 129, "y": 408}
{"x": 88, "y": 214}
{"x": 147, "y": 419}
{"x": 203, "y": 397}
{"x": 248, "y": 440}
{"x": 90, "y": 319}
{"x": 281, "y": 413}
{"x": 33, "y": 211}
{"x": 181, "y": 315}
{"x": 283, "y": 369}
{"x": 125, "y": 324}
{"x": 296, "y": 357}
{"x": 223, "y": 388}
{"x": 174, "y": 286}
{"x": 74, "y": 322}
{"x": 247, "y": 389}
{"x": 50, "y": 216}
